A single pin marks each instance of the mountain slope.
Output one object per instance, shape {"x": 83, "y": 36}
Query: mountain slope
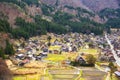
{"x": 98, "y": 5}
{"x": 13, "y": 11}
{"x": 94, "y": 5}
{"x": 62, "y": 3}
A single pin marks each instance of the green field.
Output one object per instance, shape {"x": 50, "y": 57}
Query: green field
{"x": 55, "y": 57}
{"x": 89, "y": 51}
{"x": 28, "y": 77}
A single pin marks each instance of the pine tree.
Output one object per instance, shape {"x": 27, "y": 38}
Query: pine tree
{"x": 49, "y": 38}
{"x": 2, "y": 55}
{"x": 9, "y": 48}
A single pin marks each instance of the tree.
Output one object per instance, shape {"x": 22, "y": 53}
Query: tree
{"x": 9, "y": 48}
{"x": 30, "y": 2}
{"x": 2, "y": 55}
{"x": 5, "y": 73}
{"x": 49, "y": 38}
{"x": 90, "y": 59}
{"x": 4, "y": 26}
{"x": 112, "y": 69}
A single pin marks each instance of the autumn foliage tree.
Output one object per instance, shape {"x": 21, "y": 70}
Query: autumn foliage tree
{"x": 5, "y": 73}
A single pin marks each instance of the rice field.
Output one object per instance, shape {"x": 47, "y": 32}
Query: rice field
{"x": 28, "y": 77}
{"x": 55, "y": 57}
{"x": 89, "y": 51}
{"x": 64, "y": 74}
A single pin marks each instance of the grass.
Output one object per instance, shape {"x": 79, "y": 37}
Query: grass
{"x": 81, "y": 79}
{"x": 89, "y": 51}
{"x": 114, "y": 78}
{"x": 72, "y": 56}
{"x": 49, "y": 75}
{"x": 61, "y": 57}
{"x": 19, "y": 78}
{"x": 25, "y": 71}
{"x": 28, "y": 77}
{"x": 23, "y": 74}
{"x": 79, "y": 76}
{"x": 55, "y": 57}
{"x": 63, "y": 76}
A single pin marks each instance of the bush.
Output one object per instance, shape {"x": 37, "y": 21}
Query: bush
{"x": 74, "y": 63}
{"x": 90, "y": 59}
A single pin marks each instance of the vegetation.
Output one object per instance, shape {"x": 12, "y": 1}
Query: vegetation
{"x": 47, "y": 9}
{"x": 82, "y": 11}
{"x": 21, "y": 4}
{"x": 114, "y": 23}
{"x": 25, "y": 29}
{"x": 90, "y": 59}
{"x": 7, "y": 51}
{"x": 5, "y": 73}
{"x": 28, "y": 77}
{"x": 61, "y": 23}
{"x": 113, "y": 16}
{"x": 88, "y": 28}
{"x": 28, "y": 29}
{"x": 2, "y": 55}
{"x": 88, "y": 62}
{"x": 112, "y": 69}
{"x": 55, "y": 57}
{"x": 76, "y": 63}
{"x": 30, "y": 2}
{"x": 4, "y": 26}
{"x": 69, "y": 7}
{"x": 9, "y": 48}
{"x": 89, "y": 51}
{"x": 49, "y": 38}
{"x": 107, "y": 13}
{"x": 49, "y": 26}
{"x": 64, "y": 19}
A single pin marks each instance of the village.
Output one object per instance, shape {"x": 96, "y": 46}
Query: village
{"x": 42, "y": 55}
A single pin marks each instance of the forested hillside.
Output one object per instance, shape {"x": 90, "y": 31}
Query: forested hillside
{"x": 26, "y": 18}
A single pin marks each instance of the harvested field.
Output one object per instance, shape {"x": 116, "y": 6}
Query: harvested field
{"x": 91, "y": 73}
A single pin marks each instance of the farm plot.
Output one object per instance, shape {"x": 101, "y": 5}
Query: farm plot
{"x": 64, "y": 74}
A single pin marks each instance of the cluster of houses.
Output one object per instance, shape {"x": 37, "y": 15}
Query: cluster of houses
{"x": 114, "y": 38}
{"x": 37, "y": 48}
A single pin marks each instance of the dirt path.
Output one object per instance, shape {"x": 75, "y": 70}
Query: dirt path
{"x": 108, "y": 76}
